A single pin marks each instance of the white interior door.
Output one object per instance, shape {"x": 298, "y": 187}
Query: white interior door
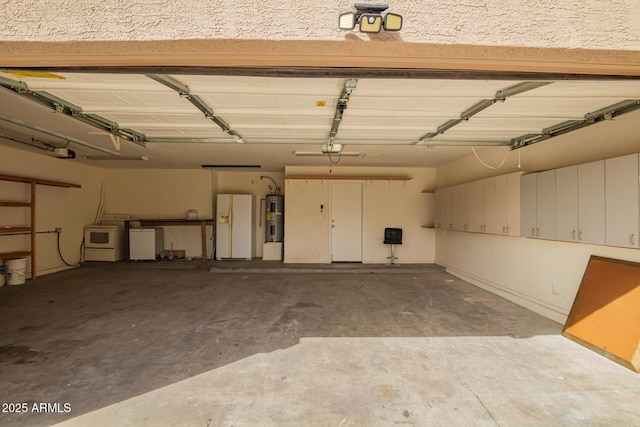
{"x": 346, "y": 222}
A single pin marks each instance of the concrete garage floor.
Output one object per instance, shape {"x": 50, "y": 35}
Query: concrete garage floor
{"x": 233, "y": 344}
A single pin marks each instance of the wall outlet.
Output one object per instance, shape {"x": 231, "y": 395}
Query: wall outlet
{"x": 58, "y": 230}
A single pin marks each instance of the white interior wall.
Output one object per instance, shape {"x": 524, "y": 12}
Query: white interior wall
{"x": 163, "y": 194}
{"x": 386, "y": 203}
{"x": 246, "y": 182}
{"x": 68, "y": 208}
{"x": 541, "y": 275}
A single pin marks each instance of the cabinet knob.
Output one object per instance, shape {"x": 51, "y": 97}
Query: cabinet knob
{"x": 573, "y": 235}
{"x": 580, "y": 235}
{"x": 507, "y": 230}
{"x": 504, "y": 229}
{"x": 533, "y": 232}
{"x": 632, "y": 239}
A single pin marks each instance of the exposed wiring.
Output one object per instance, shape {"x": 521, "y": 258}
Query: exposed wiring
{"x": 486, "y": 165}
{"x": 335, "y": 162}
{"x": 274, "y": 183}
{"x": 65, "y": 261}
{"x": 100, "y": 211}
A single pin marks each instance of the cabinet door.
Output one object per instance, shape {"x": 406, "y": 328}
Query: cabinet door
{"x": 475, "y": 206}
{"x": 528, "y": 205}
{"x": 438, "y": 216}
{"x": 622, "y": 216}
{"x": 591, "y": 203}
{"x": 459, "y": 205}
{"x": 446, "y": 219}
{"x": 567, "y": 204}
{"x": 546, "y": 205}
{"x": 494, "y": 204}
{"x": 513, "y": 204}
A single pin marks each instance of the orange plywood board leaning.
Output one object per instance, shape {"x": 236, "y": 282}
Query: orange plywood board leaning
{"x": 605, "y": 316}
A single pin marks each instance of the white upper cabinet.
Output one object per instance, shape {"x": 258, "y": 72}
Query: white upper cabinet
{"x": 513, "y": 204}
{"x": 546, "y": 205}
{"x": 443, "y": 208}
{"x": 459, "y": 205}
{"x": 538, "y": 205}
{"x": 567, "y": 204}
{"x": 591, "y": 203}
{"x": 490, "y": 205}
{"x": 622, "y": 203}
{"x": 438, "y": 216}
{"x": 495, "y": 208}
{"x": 595, "y": 203}
{"x": 475, "y": 206}
{"x": 528, "y": 190}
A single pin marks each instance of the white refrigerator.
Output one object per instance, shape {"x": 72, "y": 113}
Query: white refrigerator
{"x": 235, "y": 220}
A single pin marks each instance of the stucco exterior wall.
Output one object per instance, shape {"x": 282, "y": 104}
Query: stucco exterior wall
{"x": 587, "y": 24}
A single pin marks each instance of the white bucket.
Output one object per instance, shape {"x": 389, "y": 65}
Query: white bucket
{"x": 16, "y": 271}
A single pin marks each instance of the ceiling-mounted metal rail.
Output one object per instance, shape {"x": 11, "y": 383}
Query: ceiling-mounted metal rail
{"x": 482, "y": 105}
{"x": 604, "y": 114}
{"x": 199, "y": 103}
{"x": 63, "y": 106}
{"x": 343, "y": 101}
{"x": 57, "y": 135}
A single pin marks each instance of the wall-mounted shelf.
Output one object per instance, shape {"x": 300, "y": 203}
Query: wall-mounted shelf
{"x": 31, "y": 229}
{"x": 38, "y": 181}
{"x": 15, "y": 204}
{"x": 11, "y": 230}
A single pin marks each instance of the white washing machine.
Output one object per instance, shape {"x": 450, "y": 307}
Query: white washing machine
{"x": 146, "y": 244}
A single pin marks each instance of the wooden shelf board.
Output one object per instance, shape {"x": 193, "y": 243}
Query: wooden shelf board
{"x": 38, "y": 181}
{"x": 16, "y": 204}
{"x": 354, "y": 178}
{"x": 11, "y": 255}
{"x": 6, "y": 230}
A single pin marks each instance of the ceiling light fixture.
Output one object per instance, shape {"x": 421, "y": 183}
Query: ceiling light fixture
{"x": 143, "y": 158}
{"x": 329, "y": 149}
{"x": 233, "y": 167}
{"x": 370, "y": 19}
{"x": 324, "y": 153}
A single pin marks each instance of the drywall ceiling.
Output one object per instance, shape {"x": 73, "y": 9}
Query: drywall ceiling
{"x": 187, "y": 120}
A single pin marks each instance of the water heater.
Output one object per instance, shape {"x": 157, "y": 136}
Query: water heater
{"x": 274, "y": 219}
